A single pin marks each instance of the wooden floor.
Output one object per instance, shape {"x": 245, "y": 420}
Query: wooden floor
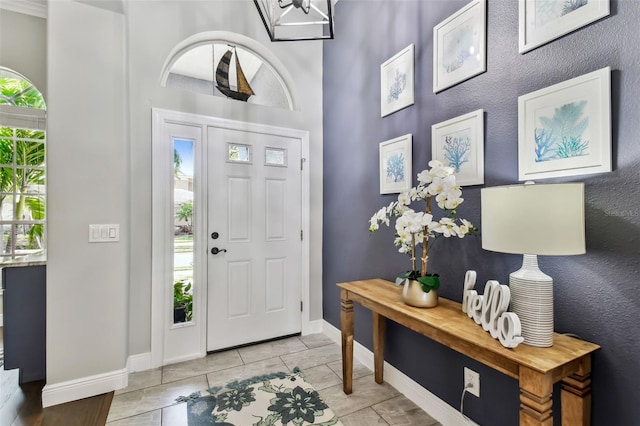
{"x": 24, "y": 408}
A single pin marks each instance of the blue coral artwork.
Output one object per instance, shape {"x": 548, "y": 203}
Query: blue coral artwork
{"x": 394, "y": 167}
{"x": 562, "y": 135}
{"x": 395, "y": 164}
{"x": 396, "y": 82}
{"x": 542, "y": 21}
{"x": 456, "y": 149}
{"x": 398, "y": 85}
{"x": 565, "y": 129}
{"x": 459, "y": 143}
{"x": 547, "y": 11}
{"x": 461, "y": 47}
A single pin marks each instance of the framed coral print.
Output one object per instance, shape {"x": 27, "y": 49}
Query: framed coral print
{"x": 396, "y": 82}
{"x": 544, "y": 20}
{"x": 565, "y": 129}
{"x": 459, "y": 46}
{"x": 459, "y": 143}
{"x": 395, "y": 165}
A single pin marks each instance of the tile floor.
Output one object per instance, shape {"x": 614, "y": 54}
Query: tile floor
{"x": 149, "y": 400}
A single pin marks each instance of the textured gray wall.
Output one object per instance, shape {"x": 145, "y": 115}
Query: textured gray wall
{"x": 596, "y": 294}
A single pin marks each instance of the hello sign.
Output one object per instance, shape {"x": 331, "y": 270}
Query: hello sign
{"x": 490, "y": 310}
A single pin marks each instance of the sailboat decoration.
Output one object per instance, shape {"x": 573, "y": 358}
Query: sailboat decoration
{"x": 244, "y": 90}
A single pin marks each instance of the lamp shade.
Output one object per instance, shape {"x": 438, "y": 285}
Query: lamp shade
{"x": 289, "y": 20}
{"x": 540, "y": 219}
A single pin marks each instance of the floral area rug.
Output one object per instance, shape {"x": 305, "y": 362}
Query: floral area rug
{"x": 269, "y": 400}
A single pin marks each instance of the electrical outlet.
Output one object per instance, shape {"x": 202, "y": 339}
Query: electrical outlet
{"x": 472, "y": 381}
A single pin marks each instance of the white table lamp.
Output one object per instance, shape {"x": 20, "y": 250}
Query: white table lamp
{"x": 532, "y": 220}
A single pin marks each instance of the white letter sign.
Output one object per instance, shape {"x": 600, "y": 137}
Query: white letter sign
{"x": 490, "y": 310}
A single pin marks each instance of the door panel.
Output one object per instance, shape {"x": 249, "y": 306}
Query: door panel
{"x": 239, "y": 218}
{"x": 276, "y": 191}
{"x": 275, "y": 277}
{"x": 254, "y": 203}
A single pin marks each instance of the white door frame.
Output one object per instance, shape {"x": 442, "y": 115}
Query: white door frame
{"x": 162, "y": 216}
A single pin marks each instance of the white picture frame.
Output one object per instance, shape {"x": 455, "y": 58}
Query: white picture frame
{"x": 541, "y": 21}
{"x": 397, "y": 81}
{"x": 565, "y": 129}
{"x": 460, "y": 46}
{"x": 459, "y": 143}
{"x": 396, "y": 173}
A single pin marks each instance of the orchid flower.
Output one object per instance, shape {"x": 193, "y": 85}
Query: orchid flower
{"x": 416, "y": 228}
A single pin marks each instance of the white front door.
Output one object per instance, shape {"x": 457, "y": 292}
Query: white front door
{"x": 254, "y": 221}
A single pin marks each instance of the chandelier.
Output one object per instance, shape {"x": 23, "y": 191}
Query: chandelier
{"x": 288, "y": 20}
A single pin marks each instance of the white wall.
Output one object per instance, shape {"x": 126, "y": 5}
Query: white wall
{"x": 23, "y": 46}
{"x": 87, "y": 177}
{"x": 103, "y": 79}
{"x": 155, "y": 28}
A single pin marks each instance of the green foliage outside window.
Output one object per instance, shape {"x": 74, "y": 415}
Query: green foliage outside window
{"x": 22, "y": 173}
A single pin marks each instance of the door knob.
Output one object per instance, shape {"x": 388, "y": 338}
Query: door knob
{"x": 216, "y": 250}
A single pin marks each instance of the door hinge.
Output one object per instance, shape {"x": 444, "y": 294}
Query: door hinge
{"x": 301, "y": 235}
{"x": 301, "y": 306}
{"x": 302, "y": 161}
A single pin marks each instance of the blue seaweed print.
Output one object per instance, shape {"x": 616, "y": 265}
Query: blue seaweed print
{"x": 460, "y": 45}
{"x": 456, "y": 151}
{"x": 562, "y": 135}
{"x": 397, "y": 86}
{"x": 395, "y": 168}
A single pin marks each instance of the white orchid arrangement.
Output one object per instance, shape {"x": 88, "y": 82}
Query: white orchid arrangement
{"x": 415, "y": 228}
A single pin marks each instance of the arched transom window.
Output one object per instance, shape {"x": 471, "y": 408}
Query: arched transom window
{"x": 231, "y": 70}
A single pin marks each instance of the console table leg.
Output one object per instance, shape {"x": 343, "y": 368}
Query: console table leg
{"x": 346, "y": 323}
{"x": 535, "y": 398}
{"x": 379, "y": 329}
{"x": 575, "y": 396}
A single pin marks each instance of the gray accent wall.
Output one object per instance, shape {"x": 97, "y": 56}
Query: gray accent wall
{"x": 597, "y": 295}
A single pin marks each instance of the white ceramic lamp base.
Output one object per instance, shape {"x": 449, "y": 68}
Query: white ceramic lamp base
{"x": 532, "y": 300}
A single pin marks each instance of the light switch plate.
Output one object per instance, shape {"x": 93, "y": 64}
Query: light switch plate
{"x": 104, "y": 233}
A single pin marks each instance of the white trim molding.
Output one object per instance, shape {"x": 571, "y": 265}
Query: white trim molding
{"x": 37, "y": 8}
{"x": 225, "y": 37}
{"x": 162, "y": 172}
{"x": 72, "y": 390}
{"x": 427, "y": 401}
{"x": 311, "y": 327}
{"x": 139, "y": 362}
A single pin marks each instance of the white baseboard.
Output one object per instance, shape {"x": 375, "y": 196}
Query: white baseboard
{"x": 312, "y": 327}
{"x": 139, "y": 362}
{"x": 72, "y": 390}
{"x": 427, "y": 401}
{"x": 183, "y": 358}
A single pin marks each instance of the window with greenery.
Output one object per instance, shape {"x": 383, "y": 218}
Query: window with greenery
{"x": 22, "y": 168}
{"x": 183, "y": 164}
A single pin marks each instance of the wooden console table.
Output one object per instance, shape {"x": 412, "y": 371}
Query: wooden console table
{"x": 536, "y": 369}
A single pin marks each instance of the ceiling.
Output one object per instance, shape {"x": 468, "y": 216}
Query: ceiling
{"x": 39, "y": 7}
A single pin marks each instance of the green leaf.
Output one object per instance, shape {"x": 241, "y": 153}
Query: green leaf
{"x": 429, "y": 282}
